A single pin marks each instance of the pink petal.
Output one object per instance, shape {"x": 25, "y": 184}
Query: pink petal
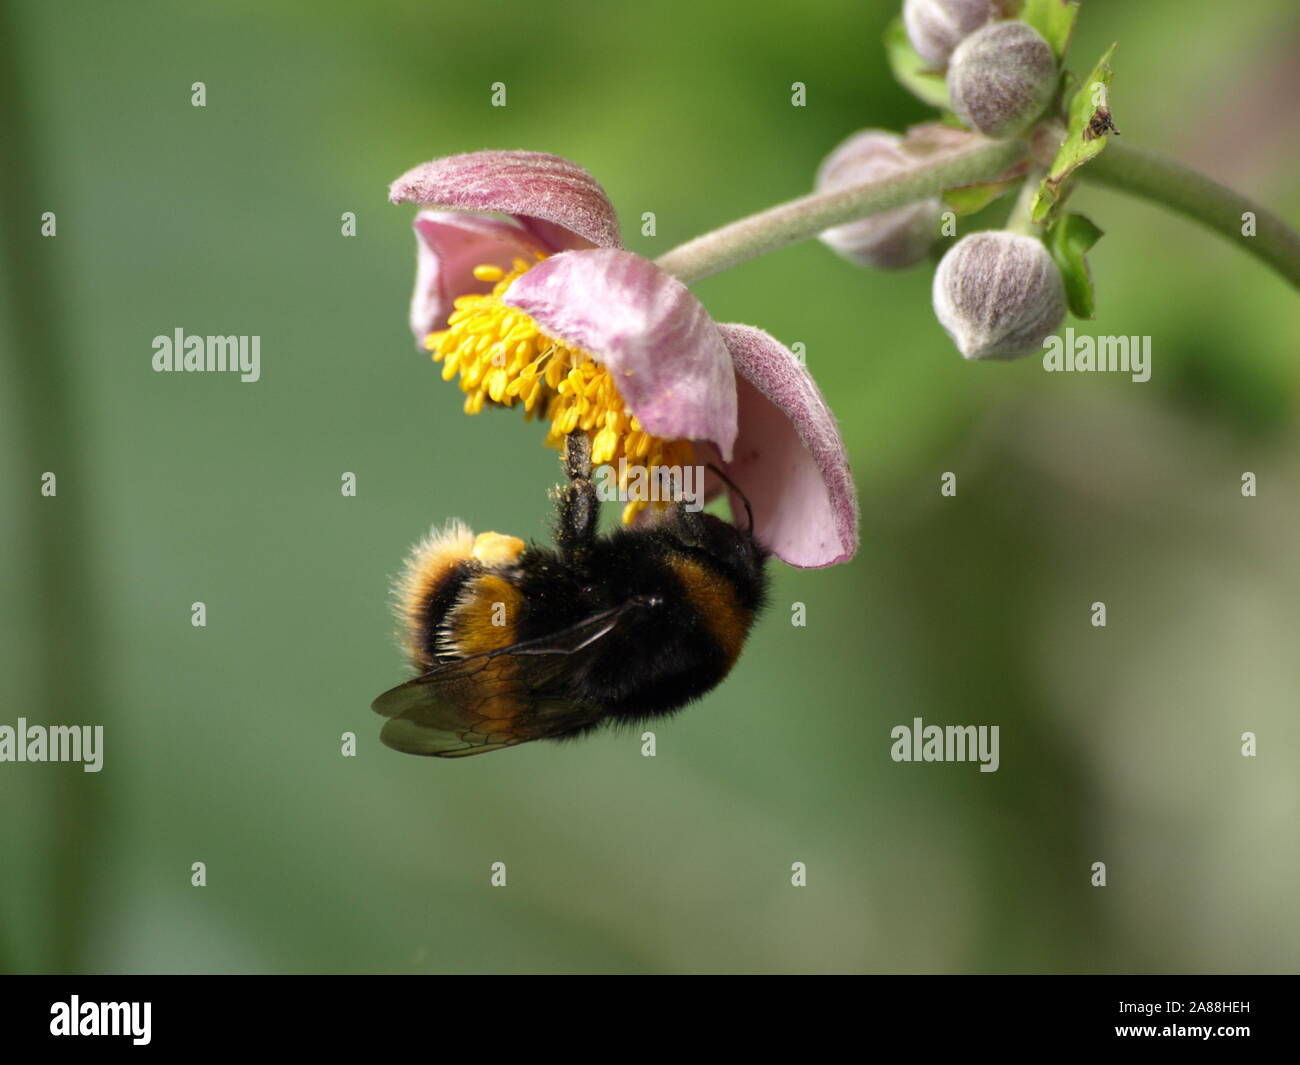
{"x": 790, "y": 460}
{"x": 555, "y": 199}
{"x": 665, "y": 352}
{"x": 448, "y": 247}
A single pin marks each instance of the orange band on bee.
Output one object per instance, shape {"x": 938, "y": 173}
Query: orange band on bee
{"x": 715, "y": 600}
{"x": 430, "y": 565}
{"x": 486, "y": 618}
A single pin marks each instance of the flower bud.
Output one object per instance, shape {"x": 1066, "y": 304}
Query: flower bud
{"x": 1001, "y": 78}
{"x": 936, "y": 27}
{"x": 888, "y": 240}
{"x": 999, "y": 295}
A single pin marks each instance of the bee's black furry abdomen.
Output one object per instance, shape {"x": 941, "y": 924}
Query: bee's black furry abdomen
{"x": 513, "y": 643}
{"x": 699, "y": 603}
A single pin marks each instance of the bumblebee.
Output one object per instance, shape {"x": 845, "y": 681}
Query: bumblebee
{"x": 516, "y": 642}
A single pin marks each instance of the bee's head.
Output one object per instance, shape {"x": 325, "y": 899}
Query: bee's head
{"x": 727, "y": 540}
{"x": 730, "y": 547}
{"x": 728, "y": 550}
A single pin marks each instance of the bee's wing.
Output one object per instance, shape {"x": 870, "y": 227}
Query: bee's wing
{"x": 497, "y": 699}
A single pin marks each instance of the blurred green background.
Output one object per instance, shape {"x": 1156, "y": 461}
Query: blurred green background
{"x": 222, "y": 744}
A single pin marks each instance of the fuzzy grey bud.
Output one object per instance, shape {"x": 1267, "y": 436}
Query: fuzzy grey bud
{"x": 1002, "y": 78}
{"x": 936, "y": 27}
{"x": 889, "y": 240}
{"x": 999, "y": 295}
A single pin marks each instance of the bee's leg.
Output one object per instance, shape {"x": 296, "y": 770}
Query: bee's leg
{"x": 579, "y": 509}
{"x": 577, "y": 456}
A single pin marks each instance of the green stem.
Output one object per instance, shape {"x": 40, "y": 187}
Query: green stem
{"x": 1182, "y": 189}
{"x": 796, "y": 220}
{"x": 1120, "y": 166}
{"x": 39, "y": 324}
{"x": 1020, "y": 219}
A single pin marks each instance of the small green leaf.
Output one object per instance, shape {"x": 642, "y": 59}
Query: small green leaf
{"x": 912, "y": 72}
{"x": 1054, "y": 19}
{"x": 1069, "y": 240}
{"x": 1089, "y": 128}
{"x": 967, "y": 199}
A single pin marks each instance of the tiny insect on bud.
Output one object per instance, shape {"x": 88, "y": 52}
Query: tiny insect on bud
{"x": 1002, "y": 78}
{"x": 998, "y": 295}
{"x": 936, "y": 27}
{"x": 888, "y": 240}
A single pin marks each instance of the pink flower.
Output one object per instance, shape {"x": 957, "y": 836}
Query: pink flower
{"x": 545, "y": 307}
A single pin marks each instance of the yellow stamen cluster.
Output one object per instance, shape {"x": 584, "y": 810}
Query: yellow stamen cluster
{"x": 503, "y": 358}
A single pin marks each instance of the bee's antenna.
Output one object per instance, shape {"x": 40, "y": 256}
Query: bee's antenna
{"x": 749, "y": 511}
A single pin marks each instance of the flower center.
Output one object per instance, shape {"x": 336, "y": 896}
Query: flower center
{"x": 503, "y": 358}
